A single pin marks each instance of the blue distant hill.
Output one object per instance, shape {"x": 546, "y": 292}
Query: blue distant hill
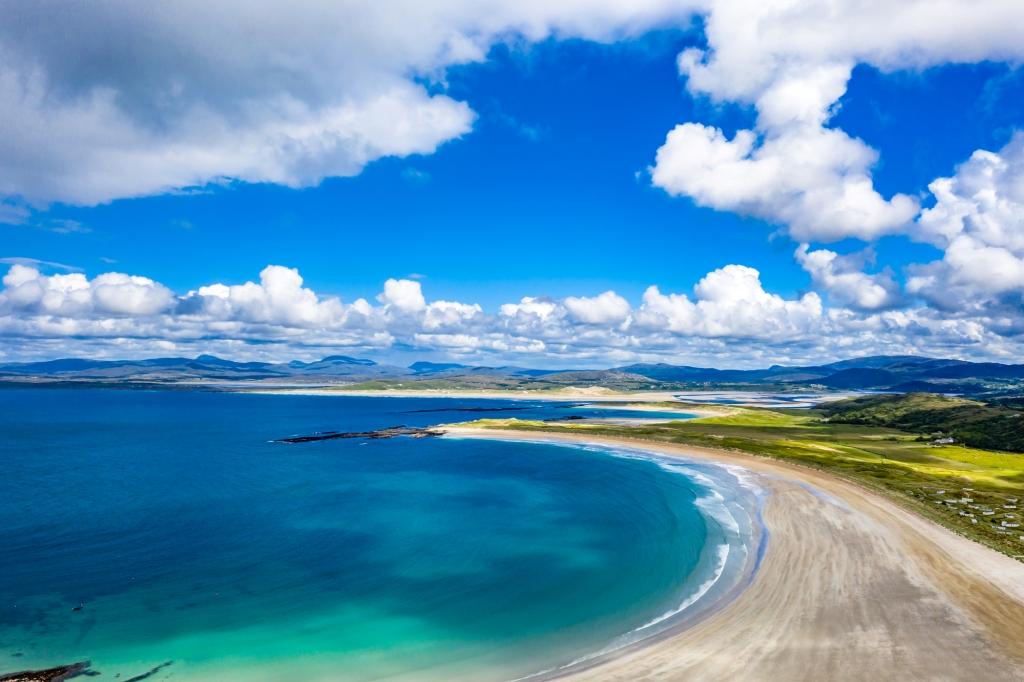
{"x": 883, "y": 372}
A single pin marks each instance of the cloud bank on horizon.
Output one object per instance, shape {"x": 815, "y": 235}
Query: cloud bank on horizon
{"x": 191, "y": 94}
{"x": 729, "y": 314}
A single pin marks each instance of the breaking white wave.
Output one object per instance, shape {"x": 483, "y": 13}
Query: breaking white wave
{"x": 729, "y": 504}
{"x": 703, "y": 589}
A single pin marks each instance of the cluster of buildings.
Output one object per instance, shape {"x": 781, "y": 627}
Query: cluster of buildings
{"x": 1001, "y": 514}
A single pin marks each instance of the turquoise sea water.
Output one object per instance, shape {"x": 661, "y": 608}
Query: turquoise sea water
{"x": 149, "y": 528}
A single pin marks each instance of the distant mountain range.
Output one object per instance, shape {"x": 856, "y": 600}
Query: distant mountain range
{"x": 893, "y": 372}
{"x": 896, "y": 373}
{"x": 331, "y": 369}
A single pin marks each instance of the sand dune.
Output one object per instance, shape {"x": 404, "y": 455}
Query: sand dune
{"x": 852, "y": 587}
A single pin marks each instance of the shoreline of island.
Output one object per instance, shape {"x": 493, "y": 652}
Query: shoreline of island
{"x": 595, "y": 394}
{"x": 646, "y": 401}
{"x": 851, "y": 586}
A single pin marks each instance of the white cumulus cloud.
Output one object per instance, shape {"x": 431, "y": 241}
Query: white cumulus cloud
{"x": 814, "y": 180}
{"x": 405, "y": 295}
{"x": 728, "y": 319}
{"x": 978, "y": 221}
{"x": 73, "y": 294}
{"x": 450, "y": 314}
{"x": 606, "y": 308}
{"x": 278, "y": 298}
{"x": 731, "y": 302}
{"x": 792, "y": 61}
{"x": 112, "y": 100}
{"x": 844, "y": 279}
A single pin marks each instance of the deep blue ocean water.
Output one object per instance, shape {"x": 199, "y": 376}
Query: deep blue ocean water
{"x": 142, "y": 528}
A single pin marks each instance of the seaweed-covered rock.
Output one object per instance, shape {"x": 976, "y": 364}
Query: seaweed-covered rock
{"x": 58, "y": 674}
{"x": 390, "y": 432}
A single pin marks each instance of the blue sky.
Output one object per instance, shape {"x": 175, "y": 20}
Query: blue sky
{"x": 541, "y": 197}
{"x": 548, "y": 193}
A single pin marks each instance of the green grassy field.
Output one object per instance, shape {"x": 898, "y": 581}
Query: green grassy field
{"x": 970, "y": 422}
{"x": 929, "y": 479}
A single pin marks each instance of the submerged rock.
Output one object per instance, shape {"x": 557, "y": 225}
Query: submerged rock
{"x": 149, "y": 673}
{"x": 61, "y": 672}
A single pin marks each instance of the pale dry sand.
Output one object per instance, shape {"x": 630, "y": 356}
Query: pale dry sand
{"x": 851, "y": 587}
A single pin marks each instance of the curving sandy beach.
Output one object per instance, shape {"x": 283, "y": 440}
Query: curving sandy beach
{"x": 851, "y": 587}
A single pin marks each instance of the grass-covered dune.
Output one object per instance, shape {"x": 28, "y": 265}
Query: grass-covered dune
{"x": 973, "y": 491}
{"x": 969, "y": 422}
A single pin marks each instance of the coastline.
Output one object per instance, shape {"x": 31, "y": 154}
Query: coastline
{"x": 734, "y": 506}
{"x": 850, "y": 587}
{"x": 590, "y": 394}
{"x": 639, "y": 402}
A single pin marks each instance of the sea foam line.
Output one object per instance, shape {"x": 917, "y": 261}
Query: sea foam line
{"x": 705, "y": 587}
{"x": 713, "y": 505}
